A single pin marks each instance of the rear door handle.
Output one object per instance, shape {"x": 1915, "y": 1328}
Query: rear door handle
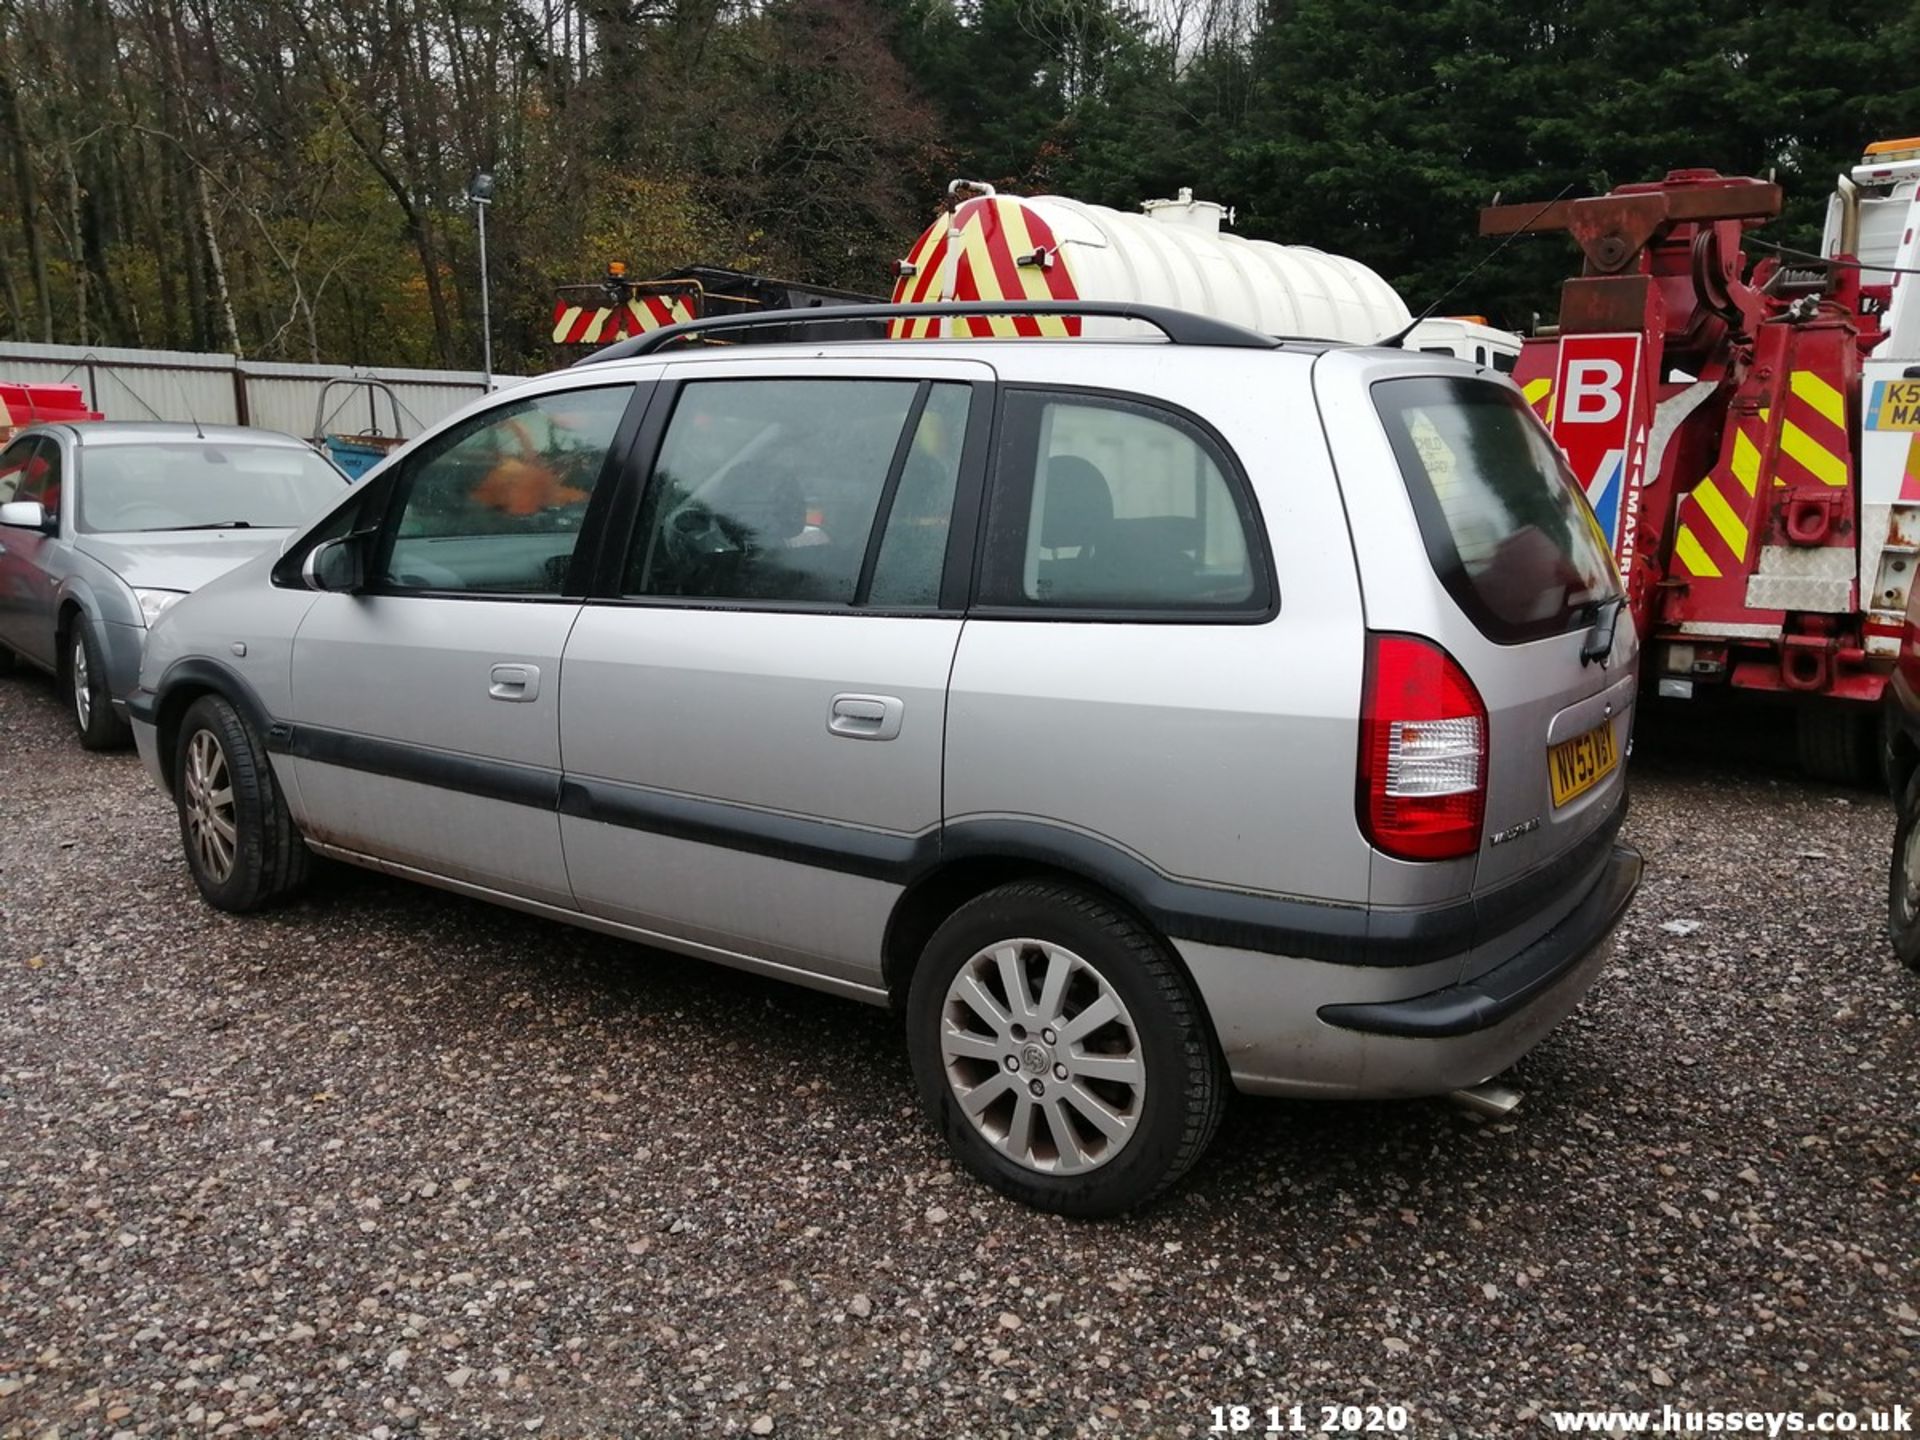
{"x": 865, "y": 717}
{"x": 517, "y": 683}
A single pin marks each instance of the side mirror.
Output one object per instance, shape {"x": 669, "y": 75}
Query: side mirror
{"x": 24, "y": 515}
{"x": 335, "y": 566}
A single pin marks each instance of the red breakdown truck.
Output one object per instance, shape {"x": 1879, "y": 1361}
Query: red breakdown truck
{"x": 1749, "y": 435}
{"x": 1747, "y": 427}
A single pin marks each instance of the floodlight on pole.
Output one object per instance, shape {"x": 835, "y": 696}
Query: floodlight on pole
{"x": 480, "y": 192}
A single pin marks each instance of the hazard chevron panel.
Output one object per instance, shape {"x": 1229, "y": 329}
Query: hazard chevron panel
{"x": 581, "y": 325}
{"x": 990, "y": 248}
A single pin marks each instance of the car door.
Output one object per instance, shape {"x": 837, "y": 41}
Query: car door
{"x": 32, "y": 469}
{"x": 425, "y": 727}
{"x": 753, "y": 713}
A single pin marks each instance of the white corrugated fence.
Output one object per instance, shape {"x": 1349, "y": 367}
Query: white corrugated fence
{"x": 225, "y": 390}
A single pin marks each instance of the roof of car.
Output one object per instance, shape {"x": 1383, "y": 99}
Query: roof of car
{"x": 155, "y": 432}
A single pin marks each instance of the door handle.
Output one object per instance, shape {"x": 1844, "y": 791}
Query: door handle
{"x": 865, "y": 717}
{"x": 518, "y": 683}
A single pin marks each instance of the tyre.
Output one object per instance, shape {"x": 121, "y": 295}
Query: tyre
{"x": 1903, "y": 879}
{"x": 240, "y": 841}
{"x": 83, "y": 669}
{"x": 1061, "y": 1052}
{"x": 1838, "y": 742}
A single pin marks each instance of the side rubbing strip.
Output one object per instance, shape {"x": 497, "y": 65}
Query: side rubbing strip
{"x": 876, "y": 854}
{"x": 1280, "y": 925}
{"x": 446, "y": 769}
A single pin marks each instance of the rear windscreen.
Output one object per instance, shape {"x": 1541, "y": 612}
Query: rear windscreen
{"x": 1507, "y": 529}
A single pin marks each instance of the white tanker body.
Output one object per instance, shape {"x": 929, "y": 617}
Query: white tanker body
{"x": 1049, "y": 247}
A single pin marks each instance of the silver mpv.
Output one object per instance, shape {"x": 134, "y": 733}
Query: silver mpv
{"x": 1136, "y": 718}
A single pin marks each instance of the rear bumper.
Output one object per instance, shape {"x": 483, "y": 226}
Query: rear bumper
{"x": 1299, "y": 1027}
{"x": 1489, "y": 1000}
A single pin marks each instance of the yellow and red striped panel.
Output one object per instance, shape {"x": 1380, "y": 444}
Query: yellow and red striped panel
{"x": 1715, "y": 536}
{"x": 1539, "y": 393}
{"x": 1717, "y": 520}
{"x": 980, "y": 246}
{"x": 923, "y": 285}
{"x": 577, "y": 325}
{"x": 1813, "y": 434}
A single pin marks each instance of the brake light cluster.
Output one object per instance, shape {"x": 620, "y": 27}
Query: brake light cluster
{"x": 1423, "y": 752}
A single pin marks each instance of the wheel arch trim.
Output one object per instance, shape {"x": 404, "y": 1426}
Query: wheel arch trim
{"x": 185, "y": 681}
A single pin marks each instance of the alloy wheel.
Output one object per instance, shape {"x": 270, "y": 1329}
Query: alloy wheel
{"x": 1043, "y": 1056}
{"x": 207, "y": 805}
{"x": 82, "y": 684}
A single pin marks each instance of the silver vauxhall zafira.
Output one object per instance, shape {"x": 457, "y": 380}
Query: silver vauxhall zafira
{"x": 1137, "y": 717}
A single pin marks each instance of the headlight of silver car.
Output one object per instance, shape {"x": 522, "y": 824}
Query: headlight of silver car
{"x": 153, "y": 603}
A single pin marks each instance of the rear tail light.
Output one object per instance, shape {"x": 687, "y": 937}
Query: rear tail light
{"x": 1423, "y": 752}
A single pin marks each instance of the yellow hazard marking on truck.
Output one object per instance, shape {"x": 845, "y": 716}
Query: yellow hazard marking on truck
{"x": 1033, "y": 278}
{"x": 563, "y": 327}
{"x": 1826, "y": 400}
{"x": 979, "y": 258}
{"x": 1689, "y": 552}
{"x": 1537, "y": 389}
{"x": 1827, "y": 467}
{"x": 1746, "y": 461}
{"x": 1714, "y": 506}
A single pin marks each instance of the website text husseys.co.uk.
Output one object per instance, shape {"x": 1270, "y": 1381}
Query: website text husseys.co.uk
{"x": 1668, "y": 1421}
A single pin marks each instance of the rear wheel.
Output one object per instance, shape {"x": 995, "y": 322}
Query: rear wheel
{"x": 240, "y": 841}
{"x": 1903, "y": 880}
{"x": 1838, "y": 742}
{"x": 1061, "y": 1052}
{"x": 89, "y": 697}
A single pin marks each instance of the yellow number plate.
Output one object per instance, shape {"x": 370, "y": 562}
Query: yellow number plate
{"x": 1579, "y": 764}
{"x": 1896, "y": 406}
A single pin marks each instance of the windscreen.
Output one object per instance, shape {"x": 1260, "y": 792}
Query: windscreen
{"x": 1508, "y": 531}
{"x": 202, "y": 484}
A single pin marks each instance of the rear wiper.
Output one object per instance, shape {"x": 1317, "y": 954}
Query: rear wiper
{"x": 1606, "y": 619}
{"x": 214, "y": 525}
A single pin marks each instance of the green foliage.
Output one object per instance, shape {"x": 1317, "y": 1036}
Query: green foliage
{"x": 288, "y": 176}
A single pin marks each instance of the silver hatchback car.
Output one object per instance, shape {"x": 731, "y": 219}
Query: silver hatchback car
{"x": 106, "y": 523}
{"x": 1138, "y": 719}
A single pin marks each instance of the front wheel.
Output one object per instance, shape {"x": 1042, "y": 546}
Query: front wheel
{"x": 89, "y": 696}
{"x": 241, "y": 844}
{"x": 1903, "y": 879}
{"x": 1061, "y": 1051}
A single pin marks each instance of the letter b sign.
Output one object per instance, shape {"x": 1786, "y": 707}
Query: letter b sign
{"x": 1595, "y": 393}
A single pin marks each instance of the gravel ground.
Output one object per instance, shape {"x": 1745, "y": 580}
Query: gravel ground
{"x": 393, "y": 1162}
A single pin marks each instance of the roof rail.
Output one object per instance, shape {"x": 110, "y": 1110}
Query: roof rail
{"x": 1179, "y": 326}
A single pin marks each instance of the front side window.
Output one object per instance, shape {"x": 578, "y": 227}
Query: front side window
{"x": 808, "y": 492}
{"x": 15, "y": 465}
{"x": 1110, "y": 504}
{"x": 1506, "y": 526}
{"x": 202, "y": 485}
{"x": 38, "y": 475}
{"x": 495, "y": 505}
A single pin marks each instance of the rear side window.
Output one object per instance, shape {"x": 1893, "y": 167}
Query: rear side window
{"x": 1110, "y": 504}
{"x": 1506, "y": 527}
